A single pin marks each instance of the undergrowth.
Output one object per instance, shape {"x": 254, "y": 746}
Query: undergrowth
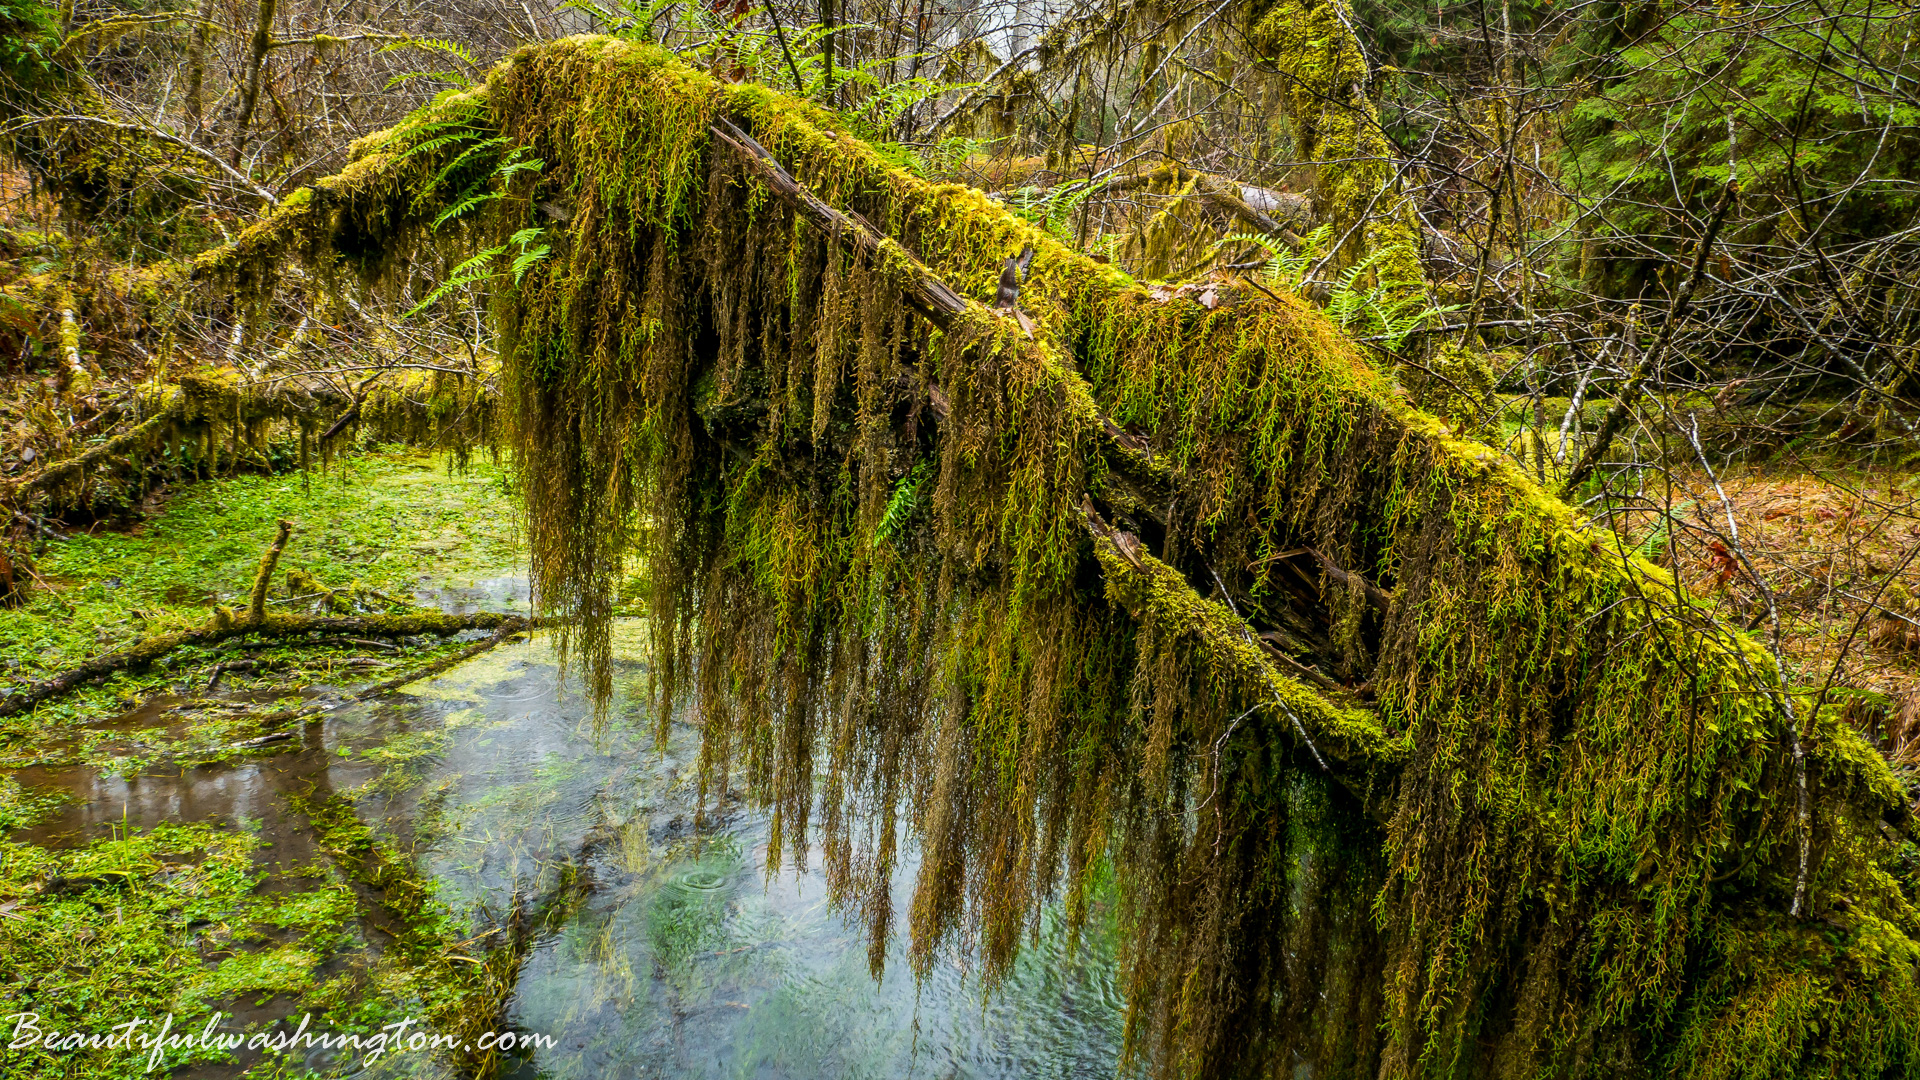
{"x": 392, "y": 522}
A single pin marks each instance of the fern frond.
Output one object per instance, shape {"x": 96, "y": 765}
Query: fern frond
{"x": 461, "y": 206}
{"x": 526, "y": 259}
{"x": 405, "y": 77}
{"x": 471, "y": 272}
{"x": 439, "y": 45}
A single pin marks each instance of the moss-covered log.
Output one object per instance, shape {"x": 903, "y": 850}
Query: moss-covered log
{"x": 138, "y": 436}
{"x": 224, "y": 626}
{"x": 904, "y": 580}
{"x": 1153, "y": 591}
{"x": 216, "y": 419}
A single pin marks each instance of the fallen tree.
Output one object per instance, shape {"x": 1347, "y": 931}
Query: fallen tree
{"x": 256, "y": 621}
{"x": 1468, "y": 791}
{"x": 213, "y": 421}
{"x": 281, "y": 626}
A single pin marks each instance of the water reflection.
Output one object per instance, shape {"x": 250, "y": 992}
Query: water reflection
{"x": 662, "y": 950}
{"x": 680, "y": 957}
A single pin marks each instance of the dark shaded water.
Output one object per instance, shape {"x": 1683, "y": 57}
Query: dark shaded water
{"x": 669, "y": 951}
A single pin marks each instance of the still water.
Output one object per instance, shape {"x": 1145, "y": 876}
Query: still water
{"x": 663, "y": 950}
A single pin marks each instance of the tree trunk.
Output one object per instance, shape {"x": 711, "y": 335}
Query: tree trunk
{"x": 250, "y": 82}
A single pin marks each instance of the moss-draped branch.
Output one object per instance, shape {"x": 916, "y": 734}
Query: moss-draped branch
{"x": 900, "y": 568}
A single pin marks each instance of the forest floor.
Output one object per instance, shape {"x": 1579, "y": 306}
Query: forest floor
{"x": 1834, "y": 550}
{"x": 403, "y": 524}
{"x": 293, "y": 901}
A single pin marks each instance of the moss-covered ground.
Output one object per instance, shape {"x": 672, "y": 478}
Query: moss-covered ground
{"x": 191, "y": 917}
{"x": 391, "y": 523}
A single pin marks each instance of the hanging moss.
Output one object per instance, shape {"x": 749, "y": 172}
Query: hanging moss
{"x": 215, "y": 420}
{"x": 1523, "y": 812}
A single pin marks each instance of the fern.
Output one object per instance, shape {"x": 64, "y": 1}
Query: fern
{"x": 1388, "y": 310}
{"x": 901, "y": 504}
{"x": 484, "y": 190}
{"x": 440, "y": 45}
{"x": 528, "y": 256}
{"x": 1654, "y": 545}
{"x": 471, "y": 272}
{"x": 466, "y": 202}
{"x": 1286, "y": 267}
{"x": 454, "y": 77}
{"x": 479, "y": 269}
{"x": 463, "y": 156}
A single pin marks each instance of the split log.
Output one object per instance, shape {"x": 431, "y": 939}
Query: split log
{"x": 1344, "y": 740}
{"x": 1379, "y": 598}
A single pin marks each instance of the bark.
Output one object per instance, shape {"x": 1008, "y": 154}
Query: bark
{"x": 197, "y": 70}
{"x": 257, "y": 50}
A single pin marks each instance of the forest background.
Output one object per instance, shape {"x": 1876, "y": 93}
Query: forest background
{"x": 1663, "y": 254}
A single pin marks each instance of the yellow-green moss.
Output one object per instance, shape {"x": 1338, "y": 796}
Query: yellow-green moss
{"x": 1573, "y": 828}
{"x": 1336, "y": 131}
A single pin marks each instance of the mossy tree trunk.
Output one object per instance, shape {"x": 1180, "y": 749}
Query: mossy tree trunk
{"x": 197, "y": 69}
{"x": 257, "y": 49}
{"x": 1336, "y": 131}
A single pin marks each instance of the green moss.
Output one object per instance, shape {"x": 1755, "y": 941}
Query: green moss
{"x": 173, "y": 921}
{"x": 1546, "y": 843}
{"x": 1336, "y": 127}
{"x": 283, "y": 970}
{"x": 390, "y": 520}
{"x": 123, "y": 928}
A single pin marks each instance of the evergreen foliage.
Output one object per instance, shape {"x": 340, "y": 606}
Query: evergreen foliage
{"x": 1804, "y": 109}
